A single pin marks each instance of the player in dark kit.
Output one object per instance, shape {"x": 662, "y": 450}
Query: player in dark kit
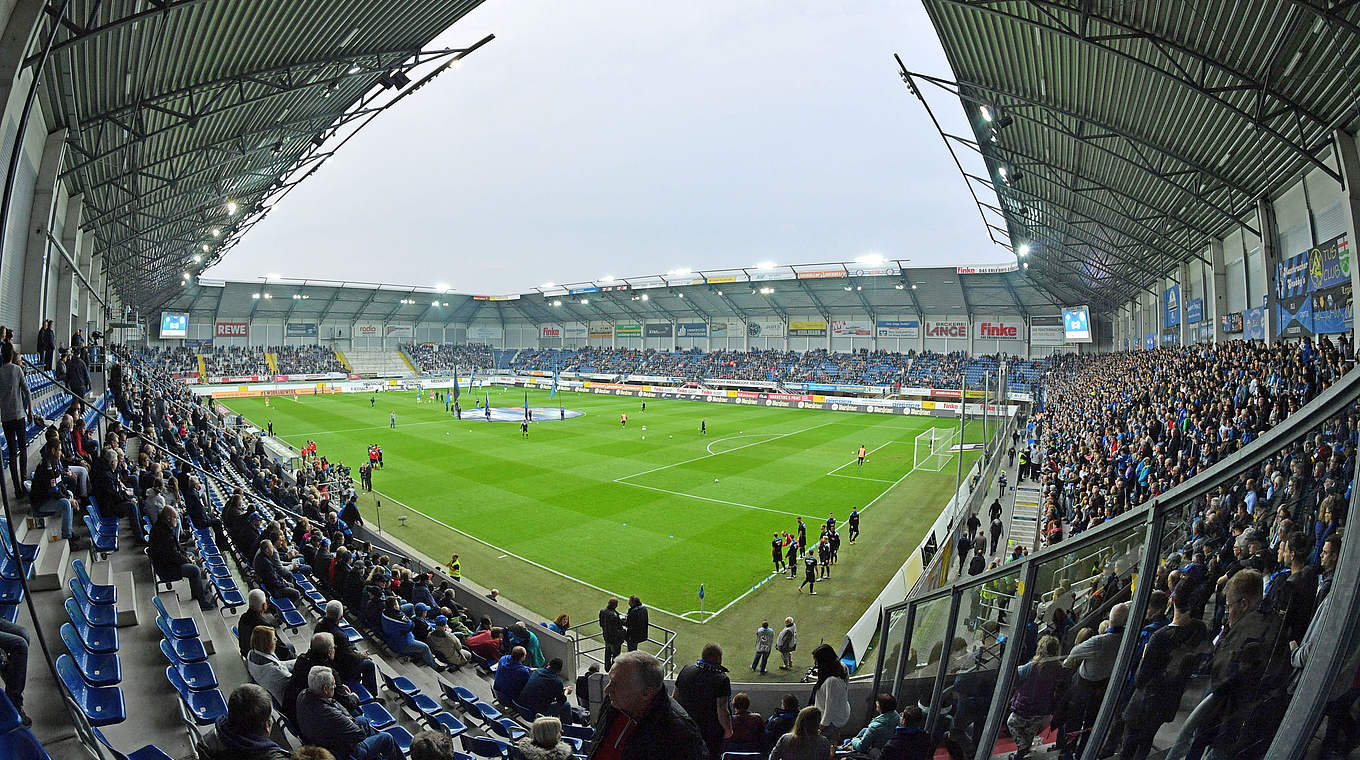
{"x": 703, "y": 426}
{"x": 834, "y": 539}
{"x": 523, "y": 428}
{"x": 853, "y": 522}
{"x": 644, "y": 406}
{"x": 793, "y": 559}
{"x": 777, "y": 552}
{"x": 802, "y": 533}
{"x": 371, "y": 401}
{"x": 824, "y": 557}
{"x": 809, "y": 574}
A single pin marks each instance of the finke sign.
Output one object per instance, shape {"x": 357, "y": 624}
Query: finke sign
{"x": 1000, "y": 330}
{"x": 947, "y": 330}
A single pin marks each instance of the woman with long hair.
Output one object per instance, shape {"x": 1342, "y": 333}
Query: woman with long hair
{"x": 1032, "y": 701}
{"x": 805, "y": 741}
{"x": 831, "y": 695}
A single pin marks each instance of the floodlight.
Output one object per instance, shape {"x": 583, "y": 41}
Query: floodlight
{"x": 197, "y": 258}
{"x": 216, "y": 232}
{"x": 986, "y": 113}
{"x": 766, "y": 265}
{"x": 607, "y": 278}
{"x": 232, "y": 208}
{"x": 557, "y": 303}
{"x": 913, "y": 286}
{"x": 442, "y": 287}
{"x": 585, "y": 301}
{"x": 766, "y": 291}
{"x": 255, "y": 296}
{"x": 1023, "y": 250}
{"x": 435, "y": 302}
{"x": 644, "y": 296}
{"x": 872, "y": 259}
{"x": 268, "y": 296}
{"x": 205, "y": 247}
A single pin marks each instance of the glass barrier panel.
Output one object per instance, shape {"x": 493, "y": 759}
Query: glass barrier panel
{"x": 976, "y": 644}
{"x": 1072, "y": 596}
{"x": 924, "y": 651}
{"x": 892, "y": 641}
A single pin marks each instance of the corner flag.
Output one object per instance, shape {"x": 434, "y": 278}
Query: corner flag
{"x": 701, "y": 591}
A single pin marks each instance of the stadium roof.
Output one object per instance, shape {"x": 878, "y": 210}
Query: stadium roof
{"x": 805, "y": 289}
{"x": 1120, "y": 137}
{"x": 187, "y": 120}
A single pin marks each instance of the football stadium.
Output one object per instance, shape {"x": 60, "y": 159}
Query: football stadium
{"x": 451, "y": 380}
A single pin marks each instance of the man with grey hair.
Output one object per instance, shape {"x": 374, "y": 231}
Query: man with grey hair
{"x": 640, "y": 720}
{"x": 351, "y": 663}
{"x": 324, "y": 722}
{"x": 271, "y": 573}
{"x": 1093, "y": 660}
{"x": 260, "y": 613}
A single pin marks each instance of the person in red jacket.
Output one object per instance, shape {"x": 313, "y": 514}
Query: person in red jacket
{"x": 486, "y": 644}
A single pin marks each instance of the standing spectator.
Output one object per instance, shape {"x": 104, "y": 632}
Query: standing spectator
{"x": 787, "y": 643}
{"x": 803, "y": 742}
{"x": 636, "y": 623}
{"x": 874, "y": 736}
{"x": 1032, "y": 702}
{"x": 47, "y": 344}
{"x": 243, "y": 733}
{"x": 704, "y": 690}
{"x": 326, "y": 723}
{"x": 14, "y": 640}
{"x": 1168, "y": 661}
{"x": 611, "y": 626}
{"x": 78, "y": 375}
{"x": 16, "y": 414}
{"x": 640, "y": 722}
{"x": 1094, "y": 661}
{"x": 831, "y": 695}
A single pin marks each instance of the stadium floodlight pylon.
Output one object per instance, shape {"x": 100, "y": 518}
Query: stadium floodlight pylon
{"x": 933, "y": 448}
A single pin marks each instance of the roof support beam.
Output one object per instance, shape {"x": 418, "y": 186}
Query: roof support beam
{"x": 816, "y": 302}
{"x": 1015, "y": 297}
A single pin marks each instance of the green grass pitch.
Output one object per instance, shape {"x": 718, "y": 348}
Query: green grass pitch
{"x": 654, "y": 512}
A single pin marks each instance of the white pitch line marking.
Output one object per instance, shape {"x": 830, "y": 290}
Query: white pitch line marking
{"x": 773, "y": 437}
{"x": 719, "y": 501}
{"x": 859, "y": 477}
{"x": 856, "y": 459}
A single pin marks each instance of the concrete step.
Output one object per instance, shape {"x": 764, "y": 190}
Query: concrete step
{"x": 54, "y": 559}
{"x": 126, "y": 606}
{"x": 189, "y": 609}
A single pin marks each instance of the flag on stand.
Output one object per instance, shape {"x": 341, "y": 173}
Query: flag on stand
{"x": 553, "y": 392}
{"x": 455, "y": 383}
{"x": 701, "y": 591}
{"x": 526, "y": 404}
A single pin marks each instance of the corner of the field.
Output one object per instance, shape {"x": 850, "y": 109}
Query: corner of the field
{"x": 410, "y": 551}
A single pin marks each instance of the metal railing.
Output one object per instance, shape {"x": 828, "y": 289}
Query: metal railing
{"x": 590, "y": 645}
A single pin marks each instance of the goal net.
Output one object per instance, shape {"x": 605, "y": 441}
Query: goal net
{"x": 932, "y": 449}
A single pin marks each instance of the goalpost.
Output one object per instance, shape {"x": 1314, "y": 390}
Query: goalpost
{"x": 932, "y": 448}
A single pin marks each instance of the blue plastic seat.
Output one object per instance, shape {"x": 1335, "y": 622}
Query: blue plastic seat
{"x": 149, "y": 752}
{"x": 455, "y": 727}
{"x": 204, "y": 707}
{"x": 11, "y": 591}
{"x": 180, "y": 628}
{"x": 422, "y": 703}
{"x": 377, "y": 715}
{"x": 187, "y": 650}
{"x": 461, "y": 696}
{"x": 487, "y": 713}
{"x": 22, "y": 745}
{"x": 400, "y": 684}
{"x": 197, "y": 675}
{"x": 507, "y": 728}
{"x": 100, "y": 669}
{"x": 97, "y": 640}
{"x": 401, "y": 736}
{"x": 574, "y": 731}
{"x": 485, "y": 747}
{"x": 97, "y": 614}
{"x": 360, "y": 691}
{"x": 99, "y": 594}
{"x": 102, "y": 705}
{"x": 102, "y": 542}
{"x": 9, "y": 717}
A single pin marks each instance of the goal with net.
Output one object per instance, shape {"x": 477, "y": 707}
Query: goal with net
{"x": 933, "y": 448}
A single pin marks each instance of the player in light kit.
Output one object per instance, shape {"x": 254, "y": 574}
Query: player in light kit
{"x": 623, "y": 420}
{"x": 861, "y": 455}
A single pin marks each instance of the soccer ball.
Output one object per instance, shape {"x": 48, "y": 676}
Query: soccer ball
{"x": 670, "y": 436}
{"x": 644, "y": 437}
{"x": 715, "y": 480}
{"x": 644, "y": 428}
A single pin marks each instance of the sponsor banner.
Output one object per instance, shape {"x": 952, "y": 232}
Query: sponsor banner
{"x": 1253, "y": 325}
{"x": 773, "y": 274}
{"x": 485, "y": 334}
{"x": 229, "y": 379}
{"x": 628, "y": 330}
{"x": 1001, "y": 329}
{"x": 198, "y": 343}
{"x": 550, "y": 331}
{"x": 721, "y": 279}
{"x": 367, "y": 330}
{"x": 694, "y": 330}
{"x": 763, "y": 328}
{"x": 1171, "y": 303}
{"x": 857, "y": 328}
{"x": 496, "y": 298}
{"x": 660, "y": 330}
{"x": 301, "y": 330}
{"x": 809, "y": 328}
{"x": 231, "y": 330}
{"x": 399, "y": 331}
{"x": 588, "y": 289}
{"x": 987, "y": 269}
{"x": 684, "y": 279}
{"x": 1194, "y": 311}
{"x": 576, "y": 331}
{"x": 821, "y": 274}
{"x": 601, "y": 330}
{"x": 1150, "y": 341}
{"x": 720, "y": 329}
{"x": 885, "y": 270}
{"x": 1294, "y": 309}
{"x": 1329, "y": 264}
{"x": 1046, "y": 335}
{"x": 900, "y": 328}
{"x": 956, "y": 330}
{"x": 834, "y": 388}
{"x": 1332, "y": 311}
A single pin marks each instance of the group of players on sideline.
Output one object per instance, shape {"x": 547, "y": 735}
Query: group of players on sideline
{"x": 1235, "y": 596}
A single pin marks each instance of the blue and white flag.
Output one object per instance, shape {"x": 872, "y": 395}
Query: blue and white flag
{"x": 553, "y": 392}
{"x": 701, "y": 591}
{"x": 455, "y": 382}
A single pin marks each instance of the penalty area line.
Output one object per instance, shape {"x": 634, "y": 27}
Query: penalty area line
{"x": 772, "y": 437}
{"x": 717, "y": 501}
{"x": 859, "y": 477}
{"x": 856, "y": 459}
{"x": 526, "y": 560}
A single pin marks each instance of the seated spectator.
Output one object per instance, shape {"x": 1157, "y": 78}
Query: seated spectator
{"x": 351, "y": 664}
{"x": 308, "y": 752}
{"x": 243, "y": 733}
{"x": 260, "y": 613}
{"x": 546, "y": 694}
{"x": 544, "y": 741}
{"x": 432, "y": 745}
{"x": 14, "y": 640}
{"x": 169, "y": 559}
{"x": 511, "y": 676}
{"x": 805, "y": 741}
{"x": 748, "y": 728}
{"x": 520, "y": 635}
{"x": 264, "y": 666}
{"x": 321, "y": 654}
{"x": 396, "y": 630}
{"x": 909, "y": 740}
{"x": 872, "y": 737}
{"x": 326, "y": 723}
{"x": 781, "y": 722}
{"x": 445, "y": 645}
{"x": 485, "y": 643}
{"x": 271, "y": 573}
{"x": 48, "y": 494}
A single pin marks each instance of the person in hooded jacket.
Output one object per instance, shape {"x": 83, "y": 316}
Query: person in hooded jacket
{"x": 243, "y": 733}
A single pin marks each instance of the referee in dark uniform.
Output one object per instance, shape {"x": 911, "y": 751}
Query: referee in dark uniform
{"x": 853, "y": 522}
{"x": 777, "y": 552}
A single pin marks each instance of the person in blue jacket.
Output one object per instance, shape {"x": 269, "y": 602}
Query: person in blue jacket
{"x": 396, "y": 629}
{"x": 511, "y": 676}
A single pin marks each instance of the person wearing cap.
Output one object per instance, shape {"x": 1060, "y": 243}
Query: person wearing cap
{"x": 396, "y": 630}
{"x": 420, "y": 622}
{"x": 445, "y": 644}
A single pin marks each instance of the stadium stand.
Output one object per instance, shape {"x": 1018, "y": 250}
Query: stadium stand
{"x": 298, "y": 360}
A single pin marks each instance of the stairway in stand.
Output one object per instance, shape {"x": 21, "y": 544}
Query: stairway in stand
{"x": 1024, "y": 527}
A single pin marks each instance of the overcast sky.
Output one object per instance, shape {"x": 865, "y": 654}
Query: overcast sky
{"x": 625, "y": 138}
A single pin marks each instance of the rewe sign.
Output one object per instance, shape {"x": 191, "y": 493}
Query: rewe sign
{"x": 231, "y": 330}
{"x": 947, "y": 330}
{"x": 998, "y": 330}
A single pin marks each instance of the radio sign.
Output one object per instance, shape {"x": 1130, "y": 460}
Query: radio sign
{"x": 947, "y": 330}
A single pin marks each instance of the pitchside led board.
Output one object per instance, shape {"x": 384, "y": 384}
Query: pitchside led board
{"x": 174, "y": 325}
{"x": 1077, "y": 324}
